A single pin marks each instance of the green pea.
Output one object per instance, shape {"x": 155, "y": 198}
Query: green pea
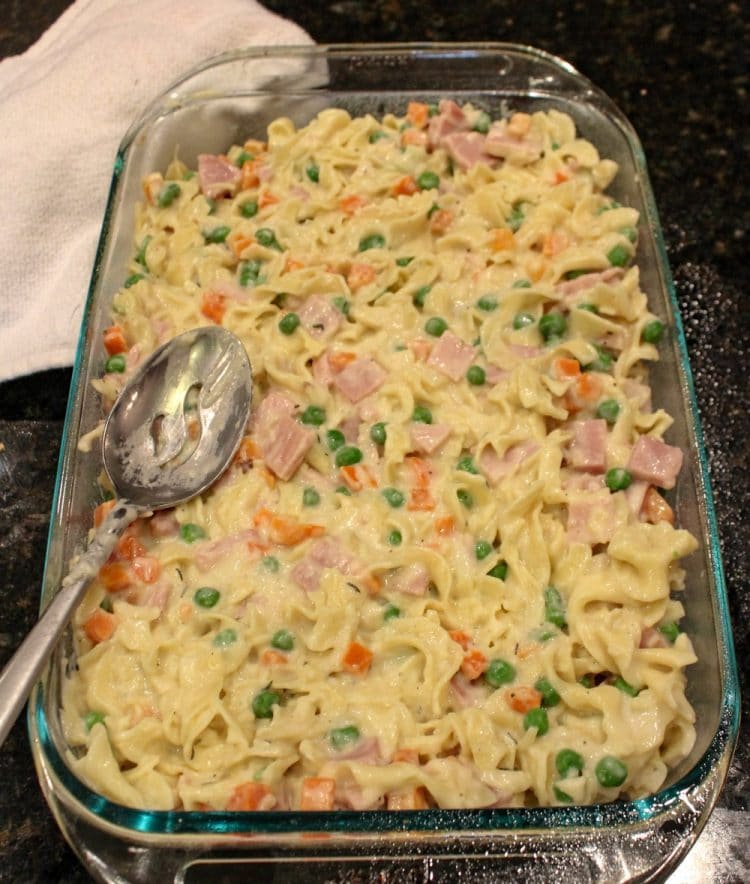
{"x": 522, "y": 284}
{"x": 348, "y": 456}
{"x": 516, "y": 218}
{"x": 310, "y": 497}
{"x": 428, "y": 181}
{"x": 243, "y": 157}
{"x": 537, "y": 718}
{"x": 394, "y": 497}
{"x": 465, "y": 498}
{"x": 341, "y": 737}
{"x": 378, "y": 433}
{"x": 132, "y": 280}
{"x": 482, "y": 548}
{"x": 562, "y": 796}
{"x": 373, "y": 241}
{"x": 206, "y": 597}
{"x": 476, "y": 375}
{"x": 499, "y": 672}
{"x": 670, "y": 631}
{"x": 92, "y": 718}
{"x": 618, "y": 256}
{"x": 288, "y": 323}
{"x": 552, "y": 325}
{"x": 550, "y": 697}
{"x": 419, "y": 296}
{"x": 250, "y": 273}
{"x": 405, "y": 261}
{"x": 266, "y": 237}
{"x": 313, "y": 173}
{"x": 217, "y": 234}
{"x": 521, "y": 320}
{"x": 435, "y": 326}
{"x": 499, "y": 571}
{"x": 574, "y": 274}
{"x": 211, "y": 206}
{"x": 270, "y": 563}
{"x": 342, "y": 305}
{"x": 249, "y": 209}
{"x": 611, "y": 772}
{"x": 554, "y": 608}
{"x": 568, "y": 761}
{"x": 482, "y": 123}
{"x": 587, "y": 681}
{"x": 589, "y": 308}
{"x": 375, "y": 136}
{"x": 283, "y": 640}
{"x": 487, "y": 303}
{"x": 168, "y": 194}
{"x": 618, "y": 479}
{"x": 394, "y": 537}
{"x": 264, "y": 702}
{"x": 391, "y": 612}
{"x": 602, "y": 362}
{"x": 313, "y": 416}
{"x": 421, "y": 414}
{"x": 225, "y": 637}
{"x": 652, "y": 332}
{"x": 609, "y": 409}
{"x": 140, "y": 256}
{"x": 466, "y": 465}
{"x": 106, "y": 604}
{"x": 190, "y": 532}
{"x": 342, "y": 489}
{"x": 625, "y": 686}
{"x": 115, "y": 364}
{"x": 629, "y": 233}
{"x": 335, "y": 439}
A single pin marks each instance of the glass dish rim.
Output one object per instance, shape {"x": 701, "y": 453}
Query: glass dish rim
{"x": 457, "y": 820}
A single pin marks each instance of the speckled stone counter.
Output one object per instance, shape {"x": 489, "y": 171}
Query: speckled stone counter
{"x": 679, "y": 72}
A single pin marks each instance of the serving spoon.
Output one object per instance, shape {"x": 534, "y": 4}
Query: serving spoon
{"x": 171, "y": 433}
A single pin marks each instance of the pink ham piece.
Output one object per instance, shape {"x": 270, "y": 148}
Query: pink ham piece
{"x": 652, "y": 638}
{"x": 468, "y": 149}
{"x": 591, "y": 518}
{"x": 413, "y": 579}
{"x": 360, "y": 378}
{"x": 163, "y": 524}
{"x": 451, "y": 356}
{"x": 467, "y": 693}
{"x": 319, "y": 317}
{"x": 501, "y": 143}
{"x": 653, "y": 461}
{"x": 285, "y": 452}
{"x": 365, "y": 750}
{"x": 496, "y": 468}
{"x": 272, "y": 408}
{"x": 209, "y": 552}
{"x": 588, "y": 280}
{"x": 428, "y": 437}
{"x": 217, "y": 176}
{"x": 322, "y": 371}
{"x": 328, "y": 552}
{"x": 449, "y": 119}
{"x": 523, "y": 351}
{"x": 588, "y": 448}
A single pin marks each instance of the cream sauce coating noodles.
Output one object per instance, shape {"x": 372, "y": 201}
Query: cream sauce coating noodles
{"x": 441, "y": 571}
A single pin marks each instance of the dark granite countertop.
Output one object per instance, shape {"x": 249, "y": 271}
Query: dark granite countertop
{"x": 679, "y": 72}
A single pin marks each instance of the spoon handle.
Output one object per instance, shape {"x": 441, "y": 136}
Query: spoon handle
{"x": 22, "y": 671}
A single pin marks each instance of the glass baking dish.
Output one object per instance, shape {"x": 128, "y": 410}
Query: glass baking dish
{"x": 224, "y": 101}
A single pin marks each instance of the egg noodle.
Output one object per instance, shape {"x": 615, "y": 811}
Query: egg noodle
{"x": 439, "y": 572}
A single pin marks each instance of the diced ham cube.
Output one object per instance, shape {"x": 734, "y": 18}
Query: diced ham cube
{"x": 652, "y": 460}
{"x": 328, "y": 552}
{"x": 360, "y": 378}
{"x": 285, "y": 452}
{"x": 413, "y": 579}
{"x": 365, "y": 750}
{"x": 466, "y": 693}
{"x": 468, "y": 149}
{"x": 502, "y": 143}
{"x": 217, "y": 176}
{"x": 652, "y": 638}
{"x": 451, "y": 356}
{"x": 449, "y": 118}
{"x": 496, "y": 468}
{"x": 272, "y": 408}
{"x": 591, "y": 518}
{"x": 322, "y": 371}
{"x": 306, "y": 574}
{"x": 163, "y": 524}
{"x": 209, "y": 552}
{"x": 319, "y": 317}
{"x": 588, "y": 448}
{"x": 429, "y": 437}
{"x": 588, "y": 280}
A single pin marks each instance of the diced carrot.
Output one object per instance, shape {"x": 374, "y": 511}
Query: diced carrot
{"x": 440, "y": 221}
{"x": 128, "y": 547}
{"x": 473, "y": 664}
{"x": 101, "y": 511}
{"x": 114, "y": 577}
{"x": 421, "y": 348}
{"x": 339, "y": 359}
{"x": 214, "y": 306}
{"x": 525, "y": 651}
{"x": 421, "y": 500}
{"x": 565, "y": 368}
{"x": 588, "y": 387}
{"x": 655, "y": 509}
{"x": 288, "y": 533}
{"x": 372, "y": 583}
{"x": 293, "y": 264}
{"x": 561, "y": 176}
{"x": 238, "y": 242}
{"x": 271, "y": 657}
{"x": 357, "y": 659}
{"x": 414, "y": 136}
{"x": 502, "y": 239}
{"x": 417, "y": 113}
{"x": 186, "y": 612}
{"x": 523, "y": 698}
{"x": 535, "y": 268}
{"x": 421, "y": 469}
{"x": 248, "y": 451}
{"x": 147, "y": 568}
{"x": 254, "y": 146}
{"x": 445, "y": 525}
{"x": 114, "y": 340}
{"x": 405, "y": 186}
{"x": 554, "y": 243}
{"x": 460, "y": 637}
{"x": 99, "y": 626}
{"x": 267, "y": 199}
{"x": 359, "y": 275}
{"x": 250, "y": 169}
{"x": 351, "y": 203}
{"x": 407, "y": 799}
{"x": 268, "y": 477}
{"x": 518, "y": 125}
{"x": 251, "y": 796}
{"x": 359, "y": 476}
{"x": 317, "y": 793}
{"x": 152, "y": 184}
{"x": 409, "y": 756}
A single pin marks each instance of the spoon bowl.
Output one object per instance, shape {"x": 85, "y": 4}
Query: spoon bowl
{"x": 173, "y": 430}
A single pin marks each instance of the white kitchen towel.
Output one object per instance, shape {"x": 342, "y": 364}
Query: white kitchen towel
{"x": 65, "y": 104}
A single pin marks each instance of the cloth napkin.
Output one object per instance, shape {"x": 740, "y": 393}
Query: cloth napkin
{"x": 65, "y": 104}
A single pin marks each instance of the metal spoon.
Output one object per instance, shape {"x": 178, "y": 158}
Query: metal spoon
{"x": 171, "y": 433}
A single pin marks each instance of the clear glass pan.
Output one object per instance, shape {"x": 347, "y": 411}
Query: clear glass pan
{"x": 224, "y": 101}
